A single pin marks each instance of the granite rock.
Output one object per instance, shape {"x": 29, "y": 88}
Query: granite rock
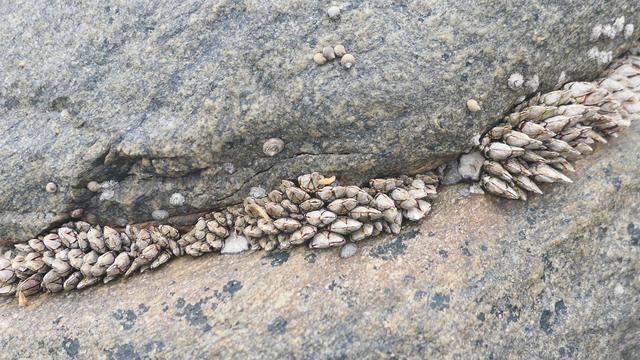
{"x": 155, "y": 98}
{"x": 556, "y": 277}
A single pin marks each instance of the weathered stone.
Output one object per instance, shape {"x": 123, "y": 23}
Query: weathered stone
{"x": 179, "y": 97}
{"x": 469, "y": 165}
{"x": 450, "y": 174}
{"x": 554, "y": 277}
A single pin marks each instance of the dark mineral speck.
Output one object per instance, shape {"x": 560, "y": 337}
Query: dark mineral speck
{"x": 126, "y": 318}
{"x": 439, "y": 302}
{"x": 277, "y": 325}
{"x": 545, "y": 321}
{"x": 232, "y": 287}
{"x": 277, "y": 258}
{"x": 71, "y": 346}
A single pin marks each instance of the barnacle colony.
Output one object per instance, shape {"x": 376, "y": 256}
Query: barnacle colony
{"x": 314, "y": 210}
{"x": 534, "y": 144}
{"x": 537, "y": 143}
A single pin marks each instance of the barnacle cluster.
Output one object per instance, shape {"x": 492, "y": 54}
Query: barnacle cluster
{"x": 536, "y": 143}
{"x": 329, "y": 53}
{"x": 314, "y": 210}
{"x": 539, "y": 140}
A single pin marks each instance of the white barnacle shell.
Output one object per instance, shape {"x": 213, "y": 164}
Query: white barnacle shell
{"x": 473, "y": 106}
{"x": 500, "y": 151}
{"x": 176, "y": 199}
{"x": 272, "y": 146}
{"x": 526, "y": 183}
{"x": 311, "y": 205}
{"x": 333, "y": 12}
{"x": 328, "y": 53}
{"x": 325, "y": 239}
{"x": 319, "y": 59}
{"x": 364, "y": 213}
{"x": 342, "y": 206}
{"x": 628, "y": 31}
{"x": 499, "y": 187}
{"x": 545, "y": 173}
{"x": 303, "y": 234}
{"x": 515, "y": 81}
{"x": 287, "y": 225}
{"x": 347, "y": 61}
{"x": 297, "y": 195}
{"x": 345, "y": 225}
{"x": 383, "y": 202}
{"x": 320, "y": 217}
{"x": 51, "y": 187}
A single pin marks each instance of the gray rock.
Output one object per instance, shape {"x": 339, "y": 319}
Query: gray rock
{"x": 556, "y": 277}
{"x": 348, "y": 250}
{"x": 179, "y": 96}
{"x": 450, "y": 174}
{"x": 470, "y": 165}
{"x": 235, "y": 244}
{"x": 160, "y": 214}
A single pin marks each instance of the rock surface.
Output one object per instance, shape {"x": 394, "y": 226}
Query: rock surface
{"x": 556, "y": 277}
{"x": 178, "y": 96}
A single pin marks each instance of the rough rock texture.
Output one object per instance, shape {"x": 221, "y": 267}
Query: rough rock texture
{"x": 160, "y": 98}
{"x": 555, "y": 277}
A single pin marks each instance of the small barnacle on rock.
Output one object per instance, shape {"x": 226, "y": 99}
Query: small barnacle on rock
{"x": 515, "y": 81}
{"x": 328, "y": 53}
{"x": 339, "y": 50}
{"x": 609, "y": 31}
{"x": 257, "y": 192}
{"x": 333, "y": 12}
{"x": 93, "y": 186}
{"x": 473, "y": 105}
{"x": 272, "y": 147}
{"x": 319, "y": 59}
{"x": 628, "y": 31}
{"x": 229, "y": 168}
{"x": 176, "y": 199}
{"x": 347, "y": 61}
{"x": 51, "y": 187}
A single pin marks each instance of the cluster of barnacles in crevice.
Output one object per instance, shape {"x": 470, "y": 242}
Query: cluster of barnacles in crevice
{"x": 314, "y": 210}
{"x": 538, "y": 141}
{"x": 535, "y": 144}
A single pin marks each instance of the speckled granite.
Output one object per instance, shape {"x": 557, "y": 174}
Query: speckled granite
{"x": 164, "y": 97}
{"x": 556, "y": 277}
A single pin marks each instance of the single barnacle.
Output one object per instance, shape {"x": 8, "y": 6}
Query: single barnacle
{"x": 473, "y": 106}
{"x": 347, "y": 61}
{"x": 272, "y": 146}
{"x": 328, "y": 53}
{"x": 339, "y": 50}
{"x": 319, "y": 59}
{"x": 51, "y": 187}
